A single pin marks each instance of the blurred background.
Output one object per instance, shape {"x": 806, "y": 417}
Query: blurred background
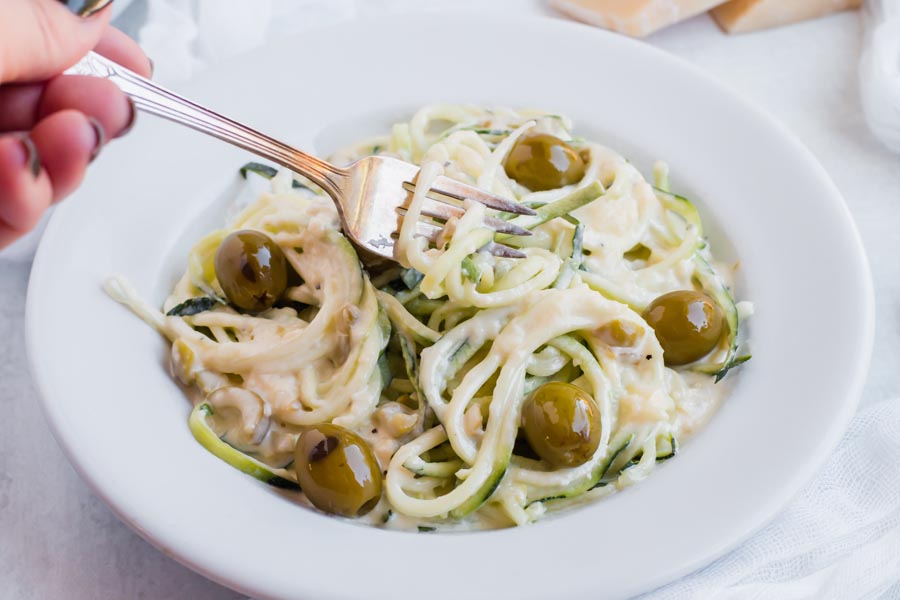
{"x": 834, "y": 80}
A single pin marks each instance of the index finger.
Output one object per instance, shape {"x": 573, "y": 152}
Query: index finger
{"x": 120, "y": 48}
{"x": 22, "y": 105}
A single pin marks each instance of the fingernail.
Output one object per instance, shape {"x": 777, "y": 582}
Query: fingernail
{"x": 100, "y": 134}
{"x": 32, "y": 159}
{"x": 86, "y": 8}
{"x": 133, "y": 118}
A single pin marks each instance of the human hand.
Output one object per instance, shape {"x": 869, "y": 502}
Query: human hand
{"x": 52, "y": 126}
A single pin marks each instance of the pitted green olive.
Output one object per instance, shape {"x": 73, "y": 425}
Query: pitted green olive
{"x": 688, "y": 325}
{"x": 337, "y": 470}
{"x": 251, "y": 269}
{"x": 543, "y": 162}
{"x": 562, "y": 424}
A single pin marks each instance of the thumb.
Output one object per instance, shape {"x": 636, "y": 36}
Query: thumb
{"x": 42, "y": 38}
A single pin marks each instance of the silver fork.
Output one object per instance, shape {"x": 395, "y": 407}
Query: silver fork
{"x": 371, "y": 194}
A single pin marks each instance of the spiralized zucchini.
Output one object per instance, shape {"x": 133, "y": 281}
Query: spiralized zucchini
{"x": 433, "y": 366}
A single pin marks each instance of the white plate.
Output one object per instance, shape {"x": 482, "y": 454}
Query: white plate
{"x": 123, "y": 422}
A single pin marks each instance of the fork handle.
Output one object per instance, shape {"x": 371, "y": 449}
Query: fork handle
{"x": 157, "y": 100}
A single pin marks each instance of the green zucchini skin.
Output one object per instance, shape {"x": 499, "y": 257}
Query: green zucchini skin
{"x": 471, "y": 270}
{"x": 682, "y": 206}
{"x": 207, "y": 438}
{"x": 552, "y": 210}
{"x": 666, "y": 448}
{"x": 713, "y": 285}
{"x": 193, "y": 306}
{"x": 411, "y": 363}
{"x": 487, "y": 489}
{"x": 266, "y": 172}
{"x": 575, "y": 262}
{"x": 411, "y": 278}
{"x": 615, "y": 448}
{"x": 614, "y": 464}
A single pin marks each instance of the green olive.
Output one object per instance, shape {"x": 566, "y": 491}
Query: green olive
{"x": 544, "y": 162}
{"x": 562, "y": 424}
{"x": 337, "y": 470}
{"x": 688, "y": 325}
{"x": 251, "y": 269}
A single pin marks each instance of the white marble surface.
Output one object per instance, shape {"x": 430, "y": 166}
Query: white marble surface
{"x": 59, "y": 541}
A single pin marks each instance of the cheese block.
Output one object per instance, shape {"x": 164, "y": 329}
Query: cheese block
{"x": 633, "y": 17}
{"x": 738, "y": 16}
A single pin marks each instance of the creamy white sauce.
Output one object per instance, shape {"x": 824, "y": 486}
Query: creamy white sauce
{"x": 320, "y": 364}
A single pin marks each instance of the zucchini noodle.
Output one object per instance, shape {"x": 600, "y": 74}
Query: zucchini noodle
{"x": 433, "y": 366}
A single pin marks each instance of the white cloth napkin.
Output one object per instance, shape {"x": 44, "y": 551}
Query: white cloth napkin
{"x": 879, "y": 71}
{"x": 840, "y": 538}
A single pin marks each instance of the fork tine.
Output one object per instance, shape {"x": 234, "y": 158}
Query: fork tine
{"x": 454, "y": 189}
{"x": 445, "y": 212}
{"x": 505, "y": 251}
{"x": 441, "y": 210}
{"x": 501, "y": 226}
{"x": 428, "y": 230}
{"x": 446, "y": 188}
{"x": 431, "y": 232}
